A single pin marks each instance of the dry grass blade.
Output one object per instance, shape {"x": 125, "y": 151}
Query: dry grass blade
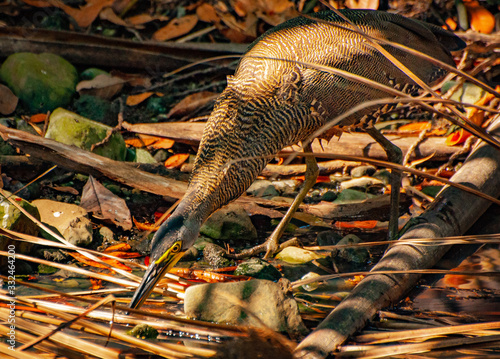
{"x": 326, "y": 277}
{"x": 170, "y": 350}
{"x": 28, "y": 345}
{"x": 18, "y": 236}
{"x": 9, "y": 353}
{"x": 23, "y": 337}
{"x": 91, "y": 274}
{"x": 393, "y": 350}
{"x": 472, "y": 239}
{"x": 68, "y": 341}
{"x": 379, "y": 338}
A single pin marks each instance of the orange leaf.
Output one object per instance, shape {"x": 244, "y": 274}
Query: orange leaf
{"x": 163, "y": 143}
{"x": 125, "y": 254}
{"x": 116, "y": 264}
{"x": 118, "y": 247}
{"x": 150, "y": 227}
{"x": 415, "y": 127}
{"x": 143, "y": 140}
{"x": 134, "y": 100}
{"x": 176, "y": 28}
{"x": 451, "y": 23}
{"x": 82, "y": 259}
{"x": 39, "y": 117}
{"x": 457, "y": 137}
{"x": 481, "y": 19}
{"x": 323, "y": 179}
{"x": 96, "y": 283}
{"x": 176, "y": 161}
{"x": 356, "y": 224}
{"x": 207, "y": 13}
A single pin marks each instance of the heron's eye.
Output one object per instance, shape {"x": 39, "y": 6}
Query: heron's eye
{"x": 176, "y": 247}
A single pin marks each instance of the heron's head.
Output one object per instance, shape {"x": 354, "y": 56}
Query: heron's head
{"x": 172, "y": 239}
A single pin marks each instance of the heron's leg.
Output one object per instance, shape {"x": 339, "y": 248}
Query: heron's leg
{"x": 395, "y": 155}
{"x": 312, "y": 171}
{"x": 271, "y": 245}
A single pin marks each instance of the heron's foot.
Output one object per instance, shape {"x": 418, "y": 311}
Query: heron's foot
{"x": 269, "y": 248}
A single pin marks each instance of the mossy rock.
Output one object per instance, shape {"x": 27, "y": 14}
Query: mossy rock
{"x": 43, "y": 82}
{"x": 71, "y": 129}
{"x": 13, "y": 219}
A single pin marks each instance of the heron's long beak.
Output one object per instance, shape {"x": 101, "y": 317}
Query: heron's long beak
{"x": 154, "y": 273}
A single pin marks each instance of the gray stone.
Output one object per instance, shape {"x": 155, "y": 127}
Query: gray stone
{"x": 361, "y": 182}
{"x": 214, "y": 255}
{"x": 254, "y": 303}
{"x": 354, "y": 255}
{"x": 328, "y": 238}
{"x": 286, "y": 186}
{"x": 258, "y": 268}
{"x": 361, "y": 171}
{"x": 69, "y": 219}
{"x": 262, "y": 188}
{"x": 229, "y": 222}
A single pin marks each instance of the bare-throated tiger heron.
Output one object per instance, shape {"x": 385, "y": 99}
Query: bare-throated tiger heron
{"x": 275, "y": 100}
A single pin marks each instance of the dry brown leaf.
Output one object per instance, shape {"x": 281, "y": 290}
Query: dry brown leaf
{"x": 207, "y": 13}
{"x": 84, "y": 16}
{"x": 118, "y": 247}
{"x": 134, "y": 79}
{"x": 176, "y": 161}
{"x": 164, "y": 143}
{"x": 104, "y": 86}
{"x": 109, "y": 15}
{"x": 362, "y": 4}
{"x": 8, "y": 101}
{"x": 105, "y": 205}
{"x": 191, "y": 103}
{"x": 176, "y": 28}
{"x": 144, "y": 19}
{"x": 134, "y": 100}
{"x": 38, "y": 118}
{"x": 481, "y": 19}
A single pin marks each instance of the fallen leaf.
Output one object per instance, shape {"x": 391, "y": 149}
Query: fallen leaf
{"x": 148, "y": 140}
{"x": 356, "y": 224}
{"x": 176, "y": 160}
{"x": 481, "y": 19}
{"x": 8, "y": 101}
{"x": 415, "y": 127}
{"x": 104, "y": 86}
{"x": 109, "y": 15}
{"x": 118, "y": 247}
{"x": 207, "y": 13}
{"x": 134, "y": 100}
{"x": 104, "y": 204}
{"x": 192, "y": 102}
{"x": 125, "y": 255}
{"x": 144, "y": 19}
{"x": 362, "y": 4}
{"x": 457, "y": 137}
{"x": 148, "y": 227}
{"x": 176, "y": 28}
{"x": 38, "y": 118}
{"x": 84, "y": 16}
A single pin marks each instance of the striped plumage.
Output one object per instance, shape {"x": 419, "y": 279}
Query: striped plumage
{"x": 269, "y": 104}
